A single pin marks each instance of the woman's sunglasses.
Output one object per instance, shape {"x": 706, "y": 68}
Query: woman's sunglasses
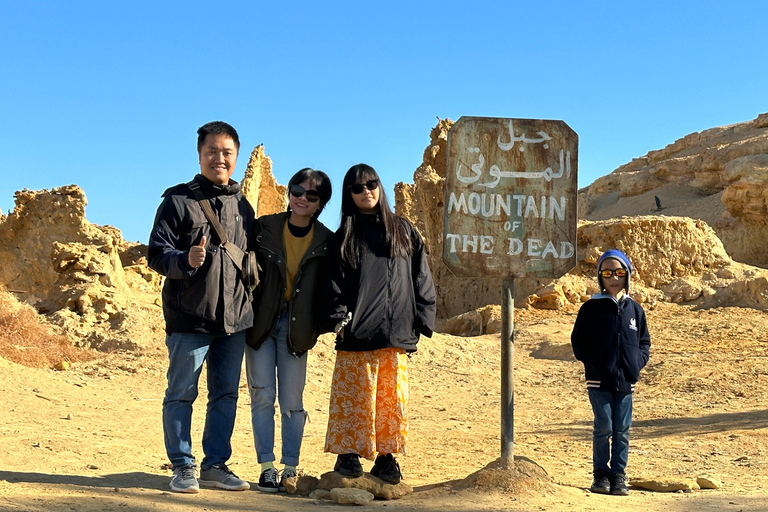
{"x": 357, "y": 188}
{"x": 619, "y": 272}
{"x": 313, "y": 196}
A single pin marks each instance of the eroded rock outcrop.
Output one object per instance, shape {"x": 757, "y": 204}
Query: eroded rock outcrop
{"x": 87, "y": 279}
{"x": 675, "y": 259}
{"x": 260, "y": 187}
{"x": 717, "y": 175}
{"x": 422, "y": 202}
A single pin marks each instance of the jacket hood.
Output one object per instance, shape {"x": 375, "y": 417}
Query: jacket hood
{"x": 621, "y": 258}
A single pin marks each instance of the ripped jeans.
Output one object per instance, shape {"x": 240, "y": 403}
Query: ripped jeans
{"x": 266, "y": 368}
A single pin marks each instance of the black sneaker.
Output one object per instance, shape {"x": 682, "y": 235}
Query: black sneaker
{"x": 268, "y": 481}
{"x": 601, "y": 484}
{"x": 387, "y": 468}
{"x": 348, "y": 464}
{"x": 285, "y": 475}
{"x": 619, "y": 485}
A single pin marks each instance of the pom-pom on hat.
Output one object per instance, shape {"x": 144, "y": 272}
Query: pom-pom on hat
{"x": 621, "y": 258}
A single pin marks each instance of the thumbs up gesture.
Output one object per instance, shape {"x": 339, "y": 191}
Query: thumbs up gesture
{"x": 197, "y": 254}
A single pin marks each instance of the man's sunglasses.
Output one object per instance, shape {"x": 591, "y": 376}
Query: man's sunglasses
{"x": 619, "y": 272}
{"x": 313, "y": 196}
{"x": 357, "y": 188}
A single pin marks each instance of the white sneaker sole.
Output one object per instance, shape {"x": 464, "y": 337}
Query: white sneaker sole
{"x": 186, "y": 490}
{"x": 213, "y": 483}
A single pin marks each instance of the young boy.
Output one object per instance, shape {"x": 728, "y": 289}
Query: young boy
{"x": 611, "y": 338}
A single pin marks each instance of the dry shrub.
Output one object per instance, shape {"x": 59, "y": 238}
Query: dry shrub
{"x": 26, "y": 339}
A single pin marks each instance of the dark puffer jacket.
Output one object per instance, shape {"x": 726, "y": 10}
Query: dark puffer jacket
{"x": 611, "y": 338}
{"x": 392, "y": 300}
{"x": 304, "y": 307}
{"x": 211, "y": 299}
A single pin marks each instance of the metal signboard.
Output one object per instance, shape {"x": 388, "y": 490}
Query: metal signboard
{"x": 510, "y": 198}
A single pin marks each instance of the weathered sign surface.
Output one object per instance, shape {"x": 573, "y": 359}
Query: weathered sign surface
{"x": 510, "y": 198}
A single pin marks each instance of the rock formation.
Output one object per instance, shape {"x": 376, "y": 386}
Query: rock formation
{"x": 260, "y": 187}
{"x": 675, "y": 259}
{"x": 422, "y": 203}
{"x": 87, "y": 279}
{"x": 717, "y": 175}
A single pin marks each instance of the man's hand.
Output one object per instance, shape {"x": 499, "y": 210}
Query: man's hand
{"x": 196, "y": 256}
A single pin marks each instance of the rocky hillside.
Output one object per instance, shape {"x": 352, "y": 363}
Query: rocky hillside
{"x": 95, "y": 288}
{"x": 717, "y": 175}
{"x": 87, "y": 281}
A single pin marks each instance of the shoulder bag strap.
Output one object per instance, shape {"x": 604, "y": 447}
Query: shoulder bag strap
{"x": 235, "y": 253}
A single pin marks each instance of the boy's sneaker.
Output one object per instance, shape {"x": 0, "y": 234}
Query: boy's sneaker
{"x": 220, "y": 476}
{"x": 268, "y": 481}
{"x": 619, "y": 485}
{"x": 285, "y": 475}
{"x": 184, "y": 479}
{"x": 601, "y": 484}
{"x": 387, "y": 468}
{"x": 348, "y": 464}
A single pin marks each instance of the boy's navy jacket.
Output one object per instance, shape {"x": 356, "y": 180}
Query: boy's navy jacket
{"x": 611, "y": 338}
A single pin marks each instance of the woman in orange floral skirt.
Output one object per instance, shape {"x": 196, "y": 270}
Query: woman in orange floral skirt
{"x": 382, "y": 297}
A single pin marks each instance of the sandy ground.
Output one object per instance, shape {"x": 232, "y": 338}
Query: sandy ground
{"x": 90, "y": 438}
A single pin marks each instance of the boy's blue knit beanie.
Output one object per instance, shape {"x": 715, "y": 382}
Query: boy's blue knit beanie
{"x": 621, "y": 258}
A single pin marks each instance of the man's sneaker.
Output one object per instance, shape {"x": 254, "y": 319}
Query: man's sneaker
{"x": 619, "y": 485}
{"x": 348, "y": 464}
{"x": 268, "y": 481}
{"x": 285, "y": 475}
{"x": 387, "y": 468}
{"x": 184, "y": 479}
{"x": 220, "y": 476}
{"x": 601, "y": 484}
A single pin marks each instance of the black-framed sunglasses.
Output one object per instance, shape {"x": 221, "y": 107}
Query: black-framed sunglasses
{"x": 608, "y": 273}
{"x": 357, "y": 188}
{"x": 297, "y": 191}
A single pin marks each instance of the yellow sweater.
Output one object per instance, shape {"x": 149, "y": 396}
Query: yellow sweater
{"x": 294, "y": 252}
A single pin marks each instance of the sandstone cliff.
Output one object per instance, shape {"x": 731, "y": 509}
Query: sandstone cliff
{"x": 717, "y": 175}
{"x": 93, "y": 284}
{"x": 260, "y": 187}
{"x": 86, "y": 279}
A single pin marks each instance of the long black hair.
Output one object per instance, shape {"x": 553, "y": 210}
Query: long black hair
{"x": 397, "y": 236}
{"x": 317, "y": 179}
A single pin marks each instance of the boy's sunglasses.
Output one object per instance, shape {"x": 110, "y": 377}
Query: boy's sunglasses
{"x": 357, "y": 188}
{"x": 313, "y": 196}
{"x": 619, "y": 272}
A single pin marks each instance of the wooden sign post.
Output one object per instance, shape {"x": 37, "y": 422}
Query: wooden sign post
{"x": 510, "y": 211}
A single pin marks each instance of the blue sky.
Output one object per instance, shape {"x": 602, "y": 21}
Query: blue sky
{"x": 109, "y": 95}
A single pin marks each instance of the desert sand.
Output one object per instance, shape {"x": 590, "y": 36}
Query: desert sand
{"x": 90, "y": 438}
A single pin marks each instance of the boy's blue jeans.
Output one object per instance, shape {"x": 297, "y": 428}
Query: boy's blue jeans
{"x": 270, "y": 367}
{"x": 610, "y": 436}
{"x": 186, "y": 353}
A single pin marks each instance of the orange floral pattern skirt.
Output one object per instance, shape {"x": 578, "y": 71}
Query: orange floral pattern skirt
{"x": 369, "y": 400}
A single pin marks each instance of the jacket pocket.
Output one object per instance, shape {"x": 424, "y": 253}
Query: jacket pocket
{"x": 632, "y": 361}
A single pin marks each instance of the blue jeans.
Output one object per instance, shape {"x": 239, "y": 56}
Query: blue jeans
{"x": 610, "y": 437}
{"x": 269, "y": 366}
{"x": 186, "y": 353}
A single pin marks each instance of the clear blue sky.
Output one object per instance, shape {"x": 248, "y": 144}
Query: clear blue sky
{"x": 109, "y": 95}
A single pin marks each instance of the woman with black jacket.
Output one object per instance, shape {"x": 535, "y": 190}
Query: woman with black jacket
{"x": 381, "y": 293}
{"x": 292, "y": 247}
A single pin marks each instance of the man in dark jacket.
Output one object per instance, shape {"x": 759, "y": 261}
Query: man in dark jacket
{"x": 207, "y": 308}
{"x": 610, "y": 336}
